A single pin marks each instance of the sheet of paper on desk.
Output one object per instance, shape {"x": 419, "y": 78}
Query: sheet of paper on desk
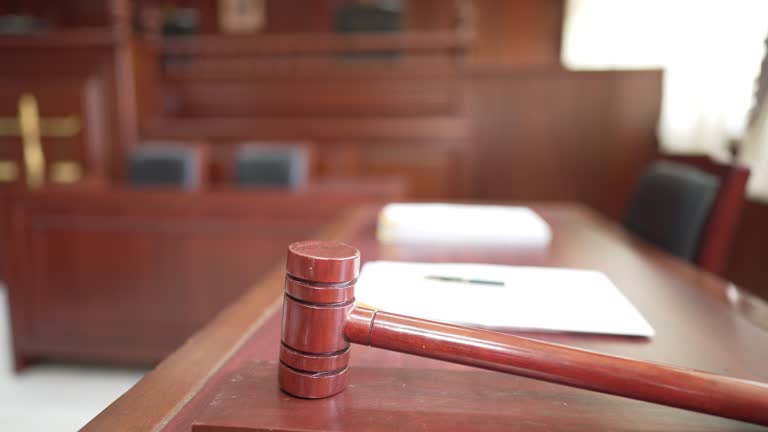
{"x": 462, "y": 223}
{"x": 502, "y": 297}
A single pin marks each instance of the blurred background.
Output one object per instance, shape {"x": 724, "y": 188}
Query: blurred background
{"x": 157, "y": 156}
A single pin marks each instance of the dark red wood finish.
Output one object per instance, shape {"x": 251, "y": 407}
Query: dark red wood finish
{"x": 406, "y": 399}
{"x": 544, "y": 133}
{"x": 492, "y": 116}
{"x": 89, "y": 53}
{"x": 319, "y": 294}
{"x": 701, "y": 322}
{"x": 651, "y": 382}
{"x": 746, "y": 266}
{"x": 725, "y": 216}
{"x": 314, "y": 328}
{"x": 489, "y": 113}
{"x": 125, "y": 276}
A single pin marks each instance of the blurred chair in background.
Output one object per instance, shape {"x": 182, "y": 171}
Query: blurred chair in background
{"x": 354, "y": 17}
{"x": 690, "y": 207}
{"x": 270, "y": 165}
{"x": 177, "y": 165}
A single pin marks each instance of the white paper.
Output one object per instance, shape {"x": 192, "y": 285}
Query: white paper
{"x": 531, "y": 298}
{"x": 462, "y": 223}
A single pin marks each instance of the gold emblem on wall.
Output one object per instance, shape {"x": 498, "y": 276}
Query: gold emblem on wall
{"x": 31, "y": 128}
{"x": 242, "y": 16}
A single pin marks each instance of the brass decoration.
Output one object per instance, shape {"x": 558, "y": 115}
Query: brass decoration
{"x": 9, "y": 171}
{"x": 242, "y": 16}
{"x": 31, "y": 128}
{"x": 66, "y": 172}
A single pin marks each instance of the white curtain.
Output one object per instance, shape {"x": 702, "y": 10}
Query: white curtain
{"x": 755, "y": 154}
{"x": 710, "y": 51}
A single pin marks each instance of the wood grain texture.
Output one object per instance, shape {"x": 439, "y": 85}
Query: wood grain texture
{"x": 160, "y": 395}
{"x": 698, "y": 327}
{"x": 84, "y": 87}
{"x": 88, "y": 42}
{"x": 406, "y": 399}
{"x": 84, "y": 82}
{"x": 315, "y": 319}
{"x": 85, "y": 264}
{"x": 319, "y": 296}
{"x": 298, "y": 16}
{"x": 550, "y": 134}
{"x": 328, "y": 98}
{"x": 518, "y": 126}
{"x": 521, "y": 32}
{"x": 746, "y": 266}
{"x": 316, "y": 44}
{"x": 652, "y": 382}
{"x": 444, "y": 130}
{"x": 65, "y": 14}
{"x": 390, "y": 117}
{"x": 511, "y": 133}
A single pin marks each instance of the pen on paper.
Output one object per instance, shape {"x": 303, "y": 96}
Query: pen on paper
{"x": 463, "y": 280}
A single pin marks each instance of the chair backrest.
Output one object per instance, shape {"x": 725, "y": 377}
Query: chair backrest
{"x": 724, "y": 218}
{"x": 269, "y": 165}
{"x": 167, "y": 164}
{"x": 355, "y": 17}
{"x": 690, "y": 207}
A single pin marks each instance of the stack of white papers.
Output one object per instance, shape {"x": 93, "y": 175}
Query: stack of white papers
{"x": 502, "y": 297}
{"x": 462, "y": 223}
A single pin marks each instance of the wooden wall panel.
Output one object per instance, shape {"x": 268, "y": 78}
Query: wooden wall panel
{"x": 84, "y": 86}
{"x": 276, "y": 97}
{"x": 90, "y": 13}
{"x": 430, "y": 15}
{"x": 401, "y": 116}
{"x": 437, "y": 169}
{"x": 104, "y": 56}
{"x": 300, "y": 16}
{"x": 520, "y": 32}
{"x": 747, "y": 267}
{"x": 558, "y": 135}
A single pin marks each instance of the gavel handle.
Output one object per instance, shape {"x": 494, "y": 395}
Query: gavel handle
{"x": 652, "y": 382}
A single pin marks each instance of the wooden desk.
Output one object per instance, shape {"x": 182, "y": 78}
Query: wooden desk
{"x": 701, "y": 323}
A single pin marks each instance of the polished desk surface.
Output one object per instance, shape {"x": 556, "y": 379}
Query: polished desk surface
{"x": 701, "y": 321}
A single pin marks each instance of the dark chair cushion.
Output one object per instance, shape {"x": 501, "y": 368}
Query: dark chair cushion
{"x": 259, "y": 166}
{"x": 671, "y": 206}
{"x": 368, "y": 18}
{"x": 164, "y": 165}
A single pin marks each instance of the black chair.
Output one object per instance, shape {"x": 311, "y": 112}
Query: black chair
{"x": 166, "y": 165}
{"x": 271, "y": 166}
{"x": 671, "y": 206}
{"x": 355, "y": 17}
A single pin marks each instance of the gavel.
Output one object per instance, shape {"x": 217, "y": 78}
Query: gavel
{"x": 321, "y": 319}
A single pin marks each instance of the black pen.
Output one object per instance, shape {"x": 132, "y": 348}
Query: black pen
{"x": 462, "y": 280}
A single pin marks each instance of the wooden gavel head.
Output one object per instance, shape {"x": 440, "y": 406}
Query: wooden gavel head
{"x": 319, "y": 294}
